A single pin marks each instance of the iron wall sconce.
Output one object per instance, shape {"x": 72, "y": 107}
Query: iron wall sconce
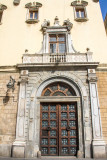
{"x": 11, "y": 84}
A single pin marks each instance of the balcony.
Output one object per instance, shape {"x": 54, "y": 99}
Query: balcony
{"x": 57, "y": 58}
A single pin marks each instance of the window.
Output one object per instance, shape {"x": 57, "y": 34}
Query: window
{"x": 80, "y": 13}
{"x": 57, "y": 40}
{"x": 57, "y": 43}
{"x": 33, "y": 15}
{"x": 33, "y": 12}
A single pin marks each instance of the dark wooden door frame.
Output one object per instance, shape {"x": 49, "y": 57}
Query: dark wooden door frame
{"x": 70, "y": 142}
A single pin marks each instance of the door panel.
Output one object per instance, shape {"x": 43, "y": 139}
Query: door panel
{"x": 58, "y": 129}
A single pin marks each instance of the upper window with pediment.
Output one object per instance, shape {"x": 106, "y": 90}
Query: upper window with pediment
{"x": 33, "y": 12}
{"x": 57, "y": 38}
{"x": 80, "y": 13}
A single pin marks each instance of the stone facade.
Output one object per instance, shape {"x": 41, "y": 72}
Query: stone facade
{"x": 21, "y": 85}
{"x": 102, "y": 91}
{"x": 8, "y": 113}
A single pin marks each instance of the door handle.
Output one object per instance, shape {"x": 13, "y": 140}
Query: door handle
{"x": 49, "y": 128}
{"x": 68, "y": 128}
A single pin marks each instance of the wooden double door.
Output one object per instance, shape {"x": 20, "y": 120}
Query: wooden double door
{"x": 58, "y": 129}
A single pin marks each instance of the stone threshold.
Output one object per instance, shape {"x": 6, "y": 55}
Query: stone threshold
{"x": 52, "y": 158}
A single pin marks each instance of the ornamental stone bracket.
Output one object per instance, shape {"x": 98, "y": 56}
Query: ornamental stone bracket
{"x": 98, "y": 144}
{"x": 95, "y": 0}
{"x": 16, "y": 2}
{"x": 18, "y": 149}
{"x": 34, "y": 5}
{"x": 66, "y": 24}
{"x": 79, "y": 3}
{"x": 2, "y": 7}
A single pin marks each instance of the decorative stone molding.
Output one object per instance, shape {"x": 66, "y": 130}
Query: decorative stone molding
{"x": 95, "y": 0}
{"x": 16, "y": 2}
{"x": 56, "y": 21}
{"x": 68, "y": 24}
{"x": 2, "y": 7}
{"x": 32, "y": 7}
{"x": 98, "y": 143}
{"x": 47, "y": 58}
{"x": 80, "y": 5}
{"x": 57, "y": 29}
{"x": 45, "y": 24}
{"x": 92, "y": 79}
{"x": 19, "y": 144}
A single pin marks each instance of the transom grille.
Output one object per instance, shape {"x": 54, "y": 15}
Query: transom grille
{"x": 58, "y": 89}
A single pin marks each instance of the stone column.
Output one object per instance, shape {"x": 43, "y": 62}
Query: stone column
{"x": 98, "y": 144}
{"x": 19, "y": 144}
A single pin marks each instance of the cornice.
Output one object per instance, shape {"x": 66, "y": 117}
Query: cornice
{"x": 49, "y": 65}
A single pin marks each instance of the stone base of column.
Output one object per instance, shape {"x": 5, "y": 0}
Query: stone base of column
{"x": 99, "y": 149}
{"x": 18, "y": 149}
{"x": 5, "y": 150}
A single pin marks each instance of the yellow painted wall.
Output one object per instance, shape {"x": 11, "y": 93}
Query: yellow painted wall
{"x": 16, "y": 35}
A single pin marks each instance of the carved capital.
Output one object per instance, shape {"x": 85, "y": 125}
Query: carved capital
{"x": 92, "y": 79}
{"x": 23, "y": 79}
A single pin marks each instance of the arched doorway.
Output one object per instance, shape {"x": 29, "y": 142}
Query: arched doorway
{"x": 59, "y": 121}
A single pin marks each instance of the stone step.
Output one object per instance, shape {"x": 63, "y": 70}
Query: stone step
{"x": 50, "y": 158}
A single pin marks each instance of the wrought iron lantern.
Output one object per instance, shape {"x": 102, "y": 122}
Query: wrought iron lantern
{"x": 11, "y": 83}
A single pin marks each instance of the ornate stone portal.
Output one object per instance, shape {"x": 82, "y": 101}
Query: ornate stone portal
{"x": 80, "y": 76}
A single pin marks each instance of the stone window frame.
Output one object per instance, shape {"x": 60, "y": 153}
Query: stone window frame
{"x": 32, "y": 7}
{"x": 2, "y": 8}
{"x": 57, "y": 29}
{"x": 80, "y": 5}
{"x": 16, "y": 2}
